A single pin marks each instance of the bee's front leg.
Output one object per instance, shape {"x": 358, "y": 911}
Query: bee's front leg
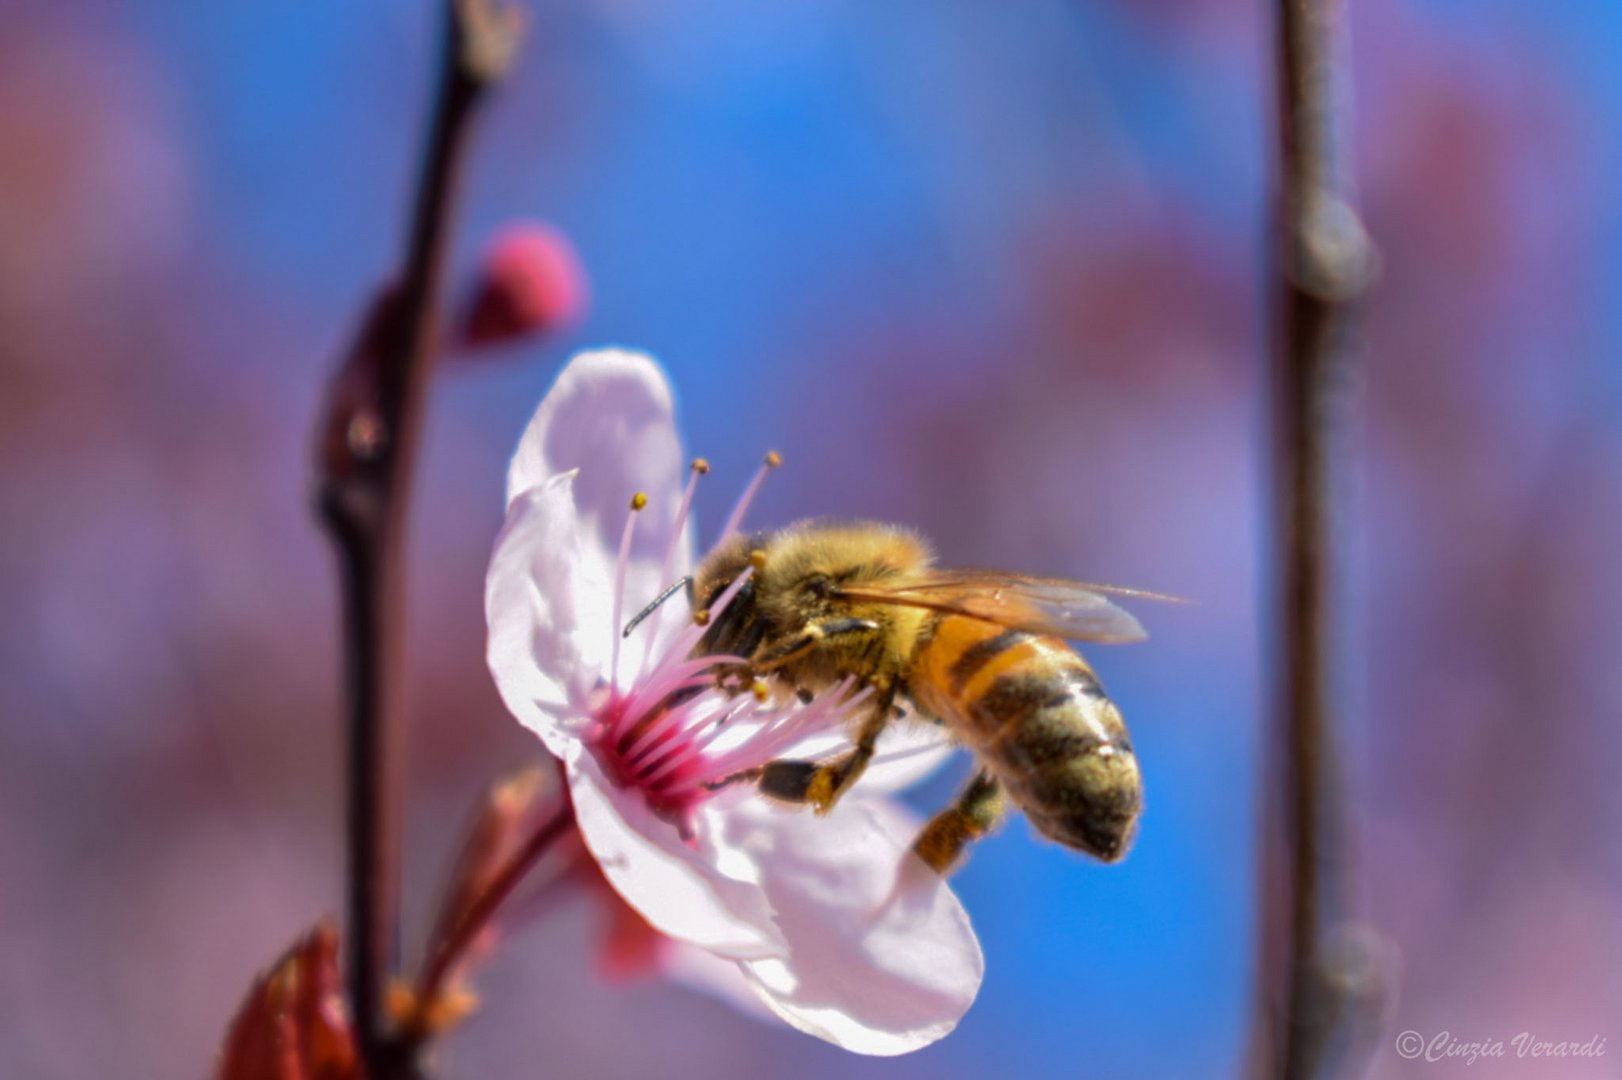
{"x": 812, "y": 637}
{"x": 739, "y": 677}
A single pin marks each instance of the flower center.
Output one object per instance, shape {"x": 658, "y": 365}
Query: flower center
{"x": 675, "y": 733}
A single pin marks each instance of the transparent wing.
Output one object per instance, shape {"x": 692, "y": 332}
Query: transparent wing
{"x": 1037, "y": 605}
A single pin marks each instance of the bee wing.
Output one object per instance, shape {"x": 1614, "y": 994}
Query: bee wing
{"x": 1037, "y": 605}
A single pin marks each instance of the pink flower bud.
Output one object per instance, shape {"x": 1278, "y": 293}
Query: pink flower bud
{"x": 293, "y": 1024}
{"x": 531, "y": 282}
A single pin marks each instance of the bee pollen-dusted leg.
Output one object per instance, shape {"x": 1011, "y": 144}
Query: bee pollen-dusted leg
{"x": 976, "y": 812}
{"x": 822, "y": 784}
{"x": 786, "y": 780}
{"x": 832, "y": 780}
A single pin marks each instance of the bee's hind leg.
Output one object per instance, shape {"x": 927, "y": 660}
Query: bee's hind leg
{"x": 976, "y": 812}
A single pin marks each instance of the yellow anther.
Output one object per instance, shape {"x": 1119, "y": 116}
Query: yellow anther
{"x": 760, "y": 690}
{"x": 757, "y": 559}
{"x": 639, "y": 500}
{"x": 700, "y": 466}
{"x": 702, "y": 616}
{"x": 773, "y": 459}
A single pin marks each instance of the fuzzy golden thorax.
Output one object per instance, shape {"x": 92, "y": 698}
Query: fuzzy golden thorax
{"x": 788, "y": 616}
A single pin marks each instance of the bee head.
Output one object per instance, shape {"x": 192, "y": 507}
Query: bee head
{"x": 730, "y": 629}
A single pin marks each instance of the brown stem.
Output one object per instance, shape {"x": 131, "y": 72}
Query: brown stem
{"x": 366, "y": 460}
{"x": 478, "y": 914}
{"x": 1323, "y": 265}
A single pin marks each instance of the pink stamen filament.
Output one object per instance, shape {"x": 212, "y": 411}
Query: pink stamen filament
{"x": 777, "y": 725}
{"x": 670, "y": 764}
{"x": 644, "y": 700}
{"x": 745, "y": 499}
{"x": 777, "y": 735}
{"x": 669, "y": 677}
{"x": 826, "y": 711}
{"x": 619, "y": 592}
{"x": 668, "y": 567}
{"x": 680, "y": 731}
{"x": 686, "y": 751}
{"x": 678, "y": 737}
{"x": 664, "y": 735}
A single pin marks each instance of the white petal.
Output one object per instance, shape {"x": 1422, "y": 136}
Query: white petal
{"x": 610, "y": 415}
{"x": 546, "y": 605}
{"x": 701, "y": 970}
{"x": 880, "y": 956}
{"x": 689, "y": 892}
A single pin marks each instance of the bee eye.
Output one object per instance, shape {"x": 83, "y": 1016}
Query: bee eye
{"x": 819, "y": 586}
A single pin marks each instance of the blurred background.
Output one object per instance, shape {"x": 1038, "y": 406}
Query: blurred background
{"x": 995, "y": 271}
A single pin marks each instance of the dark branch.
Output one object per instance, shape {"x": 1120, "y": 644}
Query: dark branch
{"x": 366, "y": 460}
{"x": 1309, "y": 987}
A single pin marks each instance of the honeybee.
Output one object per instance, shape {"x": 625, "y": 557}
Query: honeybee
{"x": 981, "y": 652}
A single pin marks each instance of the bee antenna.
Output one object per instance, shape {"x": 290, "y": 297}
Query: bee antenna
{"x": 636, "y": 620}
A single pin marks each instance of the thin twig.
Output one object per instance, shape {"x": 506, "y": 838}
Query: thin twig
{"x": 1323, "y": 265}
{"x": 453, "y": 949}
{"x": 366, "y": 461}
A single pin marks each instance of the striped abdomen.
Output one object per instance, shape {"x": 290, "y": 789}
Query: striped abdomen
{"x": 1034, "y": 714}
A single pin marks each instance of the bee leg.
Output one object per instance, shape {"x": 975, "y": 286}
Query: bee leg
{"x": 808, "y": 639}
{"x": 976, "y": 812}
{"x": 830, "y": 781}
{"x": 738, "y": 676}
{"x": 821, "y": 784}
{"x": 810, "y": 782}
